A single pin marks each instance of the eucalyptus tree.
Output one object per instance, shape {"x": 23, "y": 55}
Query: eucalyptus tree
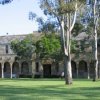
{"x": 5, "y": 1}
{"x": 96, "y": 6}
{"x": 93, "y": 29}
{"x": 47, "y": 27}
{"x": 65, "y": 11}
{"x": 91, "y": 15}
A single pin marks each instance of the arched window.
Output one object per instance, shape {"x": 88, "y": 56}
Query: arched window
{"x": 82, "y": 69}
{"x": 7, "y": 70}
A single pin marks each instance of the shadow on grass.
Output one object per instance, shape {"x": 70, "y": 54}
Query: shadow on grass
{"x": 49, "y": 92}
{"x": 33, "y": 79}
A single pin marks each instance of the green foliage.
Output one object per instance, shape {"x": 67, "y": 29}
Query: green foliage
{"x": 23, "y": 48}
{"x": 78, "y": 28}
{"x": 49, "y": 46}
{"x": 73, "y": 46}
{"x": 5, "y": 1}
{"x": 90, "y": 26}
{"x": 47, "y": 27}
{"x": 66, "y": 7}
{"x": 59, "y": 7}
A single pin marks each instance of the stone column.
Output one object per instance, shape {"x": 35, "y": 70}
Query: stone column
{"x": 41, "y": 69}
{"x": 88, "y": 70}
{"x": 19, "y": 67}
{"x": 99, "y": 69}
{"x": 30, "y": 67}
{"x": 77, "y": 66}
{"x": 2, "y": 67}
{"x": 33, "y": 68}
{"x": 11, "y": 70}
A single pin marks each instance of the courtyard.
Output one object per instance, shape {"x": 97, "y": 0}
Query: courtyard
{"x": 48, "y": 89}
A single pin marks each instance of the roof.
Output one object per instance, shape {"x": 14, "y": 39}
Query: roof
{"x": 81, "y": 36}
{"x": 8, "y": 38}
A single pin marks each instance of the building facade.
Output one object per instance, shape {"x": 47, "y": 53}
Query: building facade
{"x": 11, "y": 67}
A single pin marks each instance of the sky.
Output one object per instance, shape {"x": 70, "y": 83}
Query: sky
{"x": 14, "y": 17}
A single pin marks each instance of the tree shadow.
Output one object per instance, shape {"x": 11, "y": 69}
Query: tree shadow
{"x": 32, "y": 79}
{"x": 48, "y": 92}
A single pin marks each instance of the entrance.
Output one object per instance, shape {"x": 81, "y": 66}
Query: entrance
{"x": 74, "y": 69}
{"x": 47, "y": 70}
{"x": 7, "y": 70}
{"x": 83, "y": 69}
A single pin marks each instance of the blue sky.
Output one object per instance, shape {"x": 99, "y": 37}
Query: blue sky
{"x": 14, "y": 17}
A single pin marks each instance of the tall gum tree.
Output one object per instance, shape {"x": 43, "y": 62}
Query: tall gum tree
{"x": 93, "y": 29}
{"x": 66, "y": 12}
{"x": 96, "y": 4}
{"x": 3, "y": 2}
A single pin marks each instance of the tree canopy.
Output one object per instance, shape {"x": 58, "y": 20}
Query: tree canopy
{"x": 49, "y": 47}
{"x": 24, "y": 48}
{"x": 3, "y": 2}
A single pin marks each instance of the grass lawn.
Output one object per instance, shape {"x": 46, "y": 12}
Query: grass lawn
{"x": 48, "y": 89}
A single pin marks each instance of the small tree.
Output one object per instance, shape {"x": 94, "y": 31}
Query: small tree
{"x": 49, "y": 47}
{"x": 24, "y": 48}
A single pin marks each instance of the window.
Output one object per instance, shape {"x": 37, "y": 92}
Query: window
{"x": 37, "y": 67}
{"x": 6, "y": 49}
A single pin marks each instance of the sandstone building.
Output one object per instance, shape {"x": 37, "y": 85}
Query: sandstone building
{"x": 10, "y": 67}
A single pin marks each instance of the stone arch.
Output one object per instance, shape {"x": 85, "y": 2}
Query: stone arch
{"x": 7, "y": 70}
{"x": 15, "y": 69}
{"x": 83, "y": 69}
{"x": 25, "y": 68}
{"x": 74, "y": 69}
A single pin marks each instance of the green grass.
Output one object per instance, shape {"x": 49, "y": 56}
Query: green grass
{"x": 48, "y": 89}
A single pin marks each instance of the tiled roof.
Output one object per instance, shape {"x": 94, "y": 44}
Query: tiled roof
{"x": 8, "y": 38}
{"x": 81, "y": 36}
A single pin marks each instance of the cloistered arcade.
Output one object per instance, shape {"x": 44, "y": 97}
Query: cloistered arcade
{"x": 14, "y": 70}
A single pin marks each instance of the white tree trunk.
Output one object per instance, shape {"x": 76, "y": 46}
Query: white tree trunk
{"x": 67, "y": 58}
{"x": 95, "y": 58}
{"x": 95, "y": 61}
{"x": 68, "y": 77}
{"x": 95, "y": 44}
{"x": 66, "y": 39}
{"x": 68, "y": 72}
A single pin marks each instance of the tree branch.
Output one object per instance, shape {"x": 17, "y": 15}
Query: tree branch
{"x": 74, "y": 19}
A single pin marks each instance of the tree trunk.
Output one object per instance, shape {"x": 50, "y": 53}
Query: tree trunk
{"x": 95, "y": 44}
{"x": 95, "y": 60}
{"x": 68, "y": 72}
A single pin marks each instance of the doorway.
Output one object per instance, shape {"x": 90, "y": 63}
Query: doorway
{"x": 47, "y": 70}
